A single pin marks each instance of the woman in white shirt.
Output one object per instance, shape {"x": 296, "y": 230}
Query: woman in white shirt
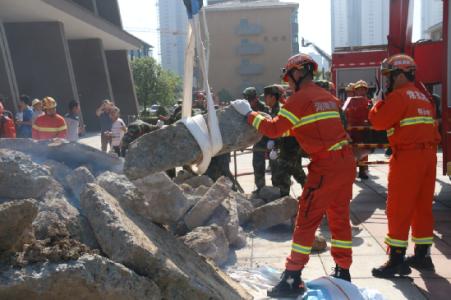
{"x": 118, "y": 129}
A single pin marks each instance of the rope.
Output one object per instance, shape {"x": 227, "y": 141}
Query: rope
{"x": 207, "y": 136}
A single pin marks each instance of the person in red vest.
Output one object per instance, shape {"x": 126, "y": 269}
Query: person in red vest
{"x": 50, "y": 125}
{"x": 312, "y": 116}
{"x": 7, "y": 127}
{"x": 408, "y": 116}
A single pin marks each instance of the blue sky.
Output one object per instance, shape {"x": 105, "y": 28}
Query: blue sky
{"x": 140, "y": 18}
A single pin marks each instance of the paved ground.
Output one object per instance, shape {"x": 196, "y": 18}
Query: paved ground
{"x": 369, "y": 228}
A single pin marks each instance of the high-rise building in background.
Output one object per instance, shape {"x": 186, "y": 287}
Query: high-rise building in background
{"x": 431, "y": 16}
{"x": 247, "y": 46}
{"x": 359, "y": 23}
{"x": 173, "y": 31}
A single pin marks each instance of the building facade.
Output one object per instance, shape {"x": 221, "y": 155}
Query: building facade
{"x": 67, "y": 49}
{"x": 173, "y": 32}
{"x": 359, "y": 23}
{"x": 247, "y": 46}
{"x": 431, "y": 16}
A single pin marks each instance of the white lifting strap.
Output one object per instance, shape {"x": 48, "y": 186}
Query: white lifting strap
{"x": 207, "y": 136}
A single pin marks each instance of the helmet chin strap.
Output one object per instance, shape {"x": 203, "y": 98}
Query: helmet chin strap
{"x": 297, "y": 83}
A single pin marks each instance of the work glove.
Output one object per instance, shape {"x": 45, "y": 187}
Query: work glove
{"x": 270, "y": 145}
{"x": 242, "y": 106}
{"x": 273, "y": 155}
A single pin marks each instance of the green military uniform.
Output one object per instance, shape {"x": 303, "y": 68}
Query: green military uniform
{"x": 289, "y": 155}
{"x": 134, "y": 131}
{"x": 259, "y": 149}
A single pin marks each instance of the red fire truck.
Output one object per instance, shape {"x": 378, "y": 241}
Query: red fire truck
{"x": 433, "y": 60}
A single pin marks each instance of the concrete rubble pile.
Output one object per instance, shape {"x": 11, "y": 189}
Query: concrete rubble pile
{"x": 73, "y": 226}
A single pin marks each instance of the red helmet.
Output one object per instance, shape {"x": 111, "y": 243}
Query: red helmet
{"x": 298, "y": 61}
{"x": 396, "y": 62}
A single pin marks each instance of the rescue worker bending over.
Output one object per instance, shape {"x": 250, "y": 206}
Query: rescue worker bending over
{"x": 311, "y": 116}
{"x": 408, "y": 116}
{"x": 259, "y": 149}
{"x": 286, "y": 155}
{"x": 50, "y": 125}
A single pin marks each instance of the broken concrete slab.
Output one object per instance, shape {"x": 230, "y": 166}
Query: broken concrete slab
{"x": 274, "y": 213}
{"x": 205, "y": 207}
{"x": 226, "y": 216}
{"x": 15, "y": 219}
{"x": 174, "y": 145}
{"x": 197, "y": 181}
{"x": 269, "y": 193}
{"x": 244, "y": 207}
{"x": 59, "y": 171}
{"x": 165, "y": 201}
{"x": 154, "y": 252}
{"x": 73, "y": 155}
{"x": 20, "y": 177}
{"x": 78, "y": 179}
{"x": 58, "y": 218}
{"x": 210, "y": 241}
{"x": 91, "y": 277}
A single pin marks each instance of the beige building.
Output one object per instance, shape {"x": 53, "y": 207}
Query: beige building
{"x": 249, "y": 43}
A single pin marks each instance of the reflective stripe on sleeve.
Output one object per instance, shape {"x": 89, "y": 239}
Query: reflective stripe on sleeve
{"x": 317, "y": 117}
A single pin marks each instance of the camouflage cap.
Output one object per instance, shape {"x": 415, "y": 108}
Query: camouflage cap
{"x": 272, "y": 89}
{"x": 250, "y": 93}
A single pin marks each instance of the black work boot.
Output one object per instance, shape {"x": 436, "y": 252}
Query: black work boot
{"x": 363, "y": 173}
{"x": 421, "y": 260}
{"x": 395, "y": 265}
{"x": 341, "y": 273}
{"x": 289, "y": 286}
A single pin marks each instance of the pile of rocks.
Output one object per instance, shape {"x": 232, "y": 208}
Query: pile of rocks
{"x": 73, "y": 228}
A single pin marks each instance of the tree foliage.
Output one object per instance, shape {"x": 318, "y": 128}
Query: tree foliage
{"x": 153, "y": 84}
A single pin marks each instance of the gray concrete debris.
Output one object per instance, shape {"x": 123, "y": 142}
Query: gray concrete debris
{"x": 269, "y": 193}
{"x": 257, "y": 202}
{"x": 210, "y": 241}
{"x": 200, "y": 190}
{"x": 20, "y": 177}
{"x": 15, "y": 222}
{"x": 174, "y": 145}
{"x": 78, "y": 179}
{"x": 71, "y": 154}
{"x": 151, "y": 251}
{"x": 226, "y": 216}
{"x": 59, "y": 171}
{"x": 197, "y": 181}
{"x": 244, "y": 207}
{"x": 165, "y": 201}
{"x": 58, "y": 218}
{"x": 241, "y": 239}
{"x": 274, "y": 213}
{"x": 91, "y": 277}
{"x": 182, "y": 176}
{"x": 205, "y": 207}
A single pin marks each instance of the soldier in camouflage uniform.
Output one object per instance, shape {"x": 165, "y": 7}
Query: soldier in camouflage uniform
{"x": 134, "y": 131}
{"x": 286, "y": 155}
{"x": 259, "y": 149}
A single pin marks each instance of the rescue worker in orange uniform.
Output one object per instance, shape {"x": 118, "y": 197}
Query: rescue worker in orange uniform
{"x": 312, "y": 116}
{"x": 50, "y": 125}
{"x": 408, "y": 116}
{"x": 349, "y": 89}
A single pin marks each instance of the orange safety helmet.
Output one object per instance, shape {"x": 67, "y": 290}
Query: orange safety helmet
{"x": 298, "y": 61}
{"x": 360, "y": 84}
{"x": 48, "y": 103}
{"x": 401, "y": 62}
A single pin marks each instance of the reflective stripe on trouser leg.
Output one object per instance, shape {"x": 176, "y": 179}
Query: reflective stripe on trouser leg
{"x": 396, "y": 243}
{"x": 423, "y": 241}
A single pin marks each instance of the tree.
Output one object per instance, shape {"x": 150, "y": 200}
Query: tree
{"x": 153, "y": 84}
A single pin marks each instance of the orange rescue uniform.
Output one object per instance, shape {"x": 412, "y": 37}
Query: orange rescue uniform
{"x": 409, "y": 118}
{"x": 48, "y": 127}
{"x": 312, "y": 116}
